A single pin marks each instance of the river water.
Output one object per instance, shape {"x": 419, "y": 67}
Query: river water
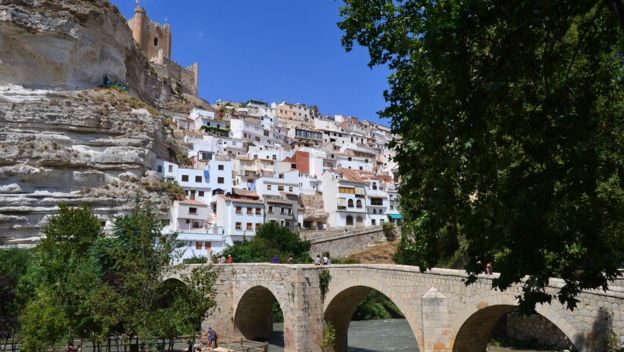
{"x": 392, "y": 335}
{"x": 373, "y": 335}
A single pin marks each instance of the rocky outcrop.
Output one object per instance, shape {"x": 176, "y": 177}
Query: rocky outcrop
{"x": 93, "y": 147}
{"x": 61, "y": 139}
{"x": 72, "y": 45}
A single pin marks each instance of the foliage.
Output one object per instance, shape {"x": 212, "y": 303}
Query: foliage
{"x": 329, "y": 337}
{"x": 83, "y": 284}
{"x": 195, "y": 260}
{"x": 183, "y": 160}
{"x": 509, "y": 118}
{"x": 388, "y": 229}
{"x": 278, "y": 314}
{"x": 271, "y": 239}
{"x": 376, "y": 306}
{"x": 173, "y": 189}
{"x": 13, "y": 265}
{"x": 216, "y": 130}
{"x": 324, "y": 280}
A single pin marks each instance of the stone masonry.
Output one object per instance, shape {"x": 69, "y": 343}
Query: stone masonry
{"x": 344, "y": 242}
{"x": 444, "y": 314}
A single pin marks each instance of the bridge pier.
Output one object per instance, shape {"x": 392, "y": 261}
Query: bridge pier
{"x": 435, "y": 322}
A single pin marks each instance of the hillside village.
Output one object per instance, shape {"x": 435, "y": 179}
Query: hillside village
{"x": 250, "y": 163}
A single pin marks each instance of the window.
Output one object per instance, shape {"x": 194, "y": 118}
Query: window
{"x": 269, "y": 187}
{"x": 159, "y": 168}
{"x": 192, "y": 210}
{"x": 188, "y": 221}
{"x": 196, "y": 225}
{"x": 349, "y": 220}
{"x": 290, "y": 188}
{"x": 270, "y": 209}
{"x": 201, "y": 193}
{"x": 287, "y": 223}
{"x": 358, "y": 203}
{"x": 289, "y": 211}
{"x": 280, "y": 188}
{"x": 170, "y": 168}
{"x": 198, "y": 245}
{"x": 350, "y": 203}
{"x": 184, "y": 178}
{"x": 220, "y": 180}
{"x": 282, "y": 210}
{"x": 238, "y": 225}
{"x": 373, "y": 222}
{"x": 156, "y": 41}
{"x": 220, "y": 167}
{"x": 239, "y": 210}
{"x": 376, "y": 201}
{"x": 346, "y": 190}
{"x": 258, "y": 211}
{"x": 249, "y": 226}
{"x": 198, "y": 179}
{"x": 374, "y": 185}
{"x": 207, "y": 245}
{"x": 249, "y": 211}
{"x": 205, "y": 156}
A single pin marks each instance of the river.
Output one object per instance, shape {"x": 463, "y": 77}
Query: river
{"x": 392, "y": 335}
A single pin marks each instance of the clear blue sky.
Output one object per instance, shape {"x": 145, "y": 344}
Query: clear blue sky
{"x": 271, "y": 50}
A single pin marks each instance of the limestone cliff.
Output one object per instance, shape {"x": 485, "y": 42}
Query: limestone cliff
{"x": 91, "y": 147}
{"x": 63, "y": 140}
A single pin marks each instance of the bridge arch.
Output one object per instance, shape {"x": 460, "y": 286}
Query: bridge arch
{"x": 473, "y": 325}
{"x": 253, "y": 313}
{"x": 344, "y": 296}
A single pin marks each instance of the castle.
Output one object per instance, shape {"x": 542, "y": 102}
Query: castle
{"x": 154, "y": 40}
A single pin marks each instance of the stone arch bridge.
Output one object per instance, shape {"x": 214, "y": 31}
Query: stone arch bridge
{"x": 444, "y": 314}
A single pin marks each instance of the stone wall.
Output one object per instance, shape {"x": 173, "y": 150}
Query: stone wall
{"x": 343, "y": 243}
{"x": 534, "y": 328}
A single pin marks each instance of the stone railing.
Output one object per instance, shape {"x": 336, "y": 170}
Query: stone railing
{"x": 329, "y": 235}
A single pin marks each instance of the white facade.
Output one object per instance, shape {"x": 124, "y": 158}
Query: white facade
{"x": 344, "y": 201}
{"x": 354, "y": 162}
{"x": 239, "y": 218}
{"x": 278, "y": 184}
{"x": 197, "y": 234}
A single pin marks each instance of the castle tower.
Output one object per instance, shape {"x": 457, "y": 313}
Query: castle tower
{"x": 153, "y": 38}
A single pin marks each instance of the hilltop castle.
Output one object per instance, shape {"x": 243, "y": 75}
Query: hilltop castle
{"x": 154, "y": 40}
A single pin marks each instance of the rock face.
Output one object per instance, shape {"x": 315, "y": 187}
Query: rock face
{"x": 73, "y": 44}
{"x": 63, "y": 140}
{"x": 92, "y": 147}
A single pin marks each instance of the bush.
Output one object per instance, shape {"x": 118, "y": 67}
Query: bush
{"x": 271, "y": 239}
{"x": 195, "y": 260}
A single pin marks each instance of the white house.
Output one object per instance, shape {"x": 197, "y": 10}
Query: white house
{"x": 239, "y": 217}
{"x": 196, "y": 232}
{"x": 344, "y": 198}
{"x": 278, "y": 184}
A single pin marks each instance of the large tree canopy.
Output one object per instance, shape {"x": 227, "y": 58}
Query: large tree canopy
{"x": 510, "y": 117}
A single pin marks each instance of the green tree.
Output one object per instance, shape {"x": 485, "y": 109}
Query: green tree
{"x": 510, "y": 134}
{"x": 95, "y": 286}
{"x": 271, "y": 239}
{"x": 13, "y": 266}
